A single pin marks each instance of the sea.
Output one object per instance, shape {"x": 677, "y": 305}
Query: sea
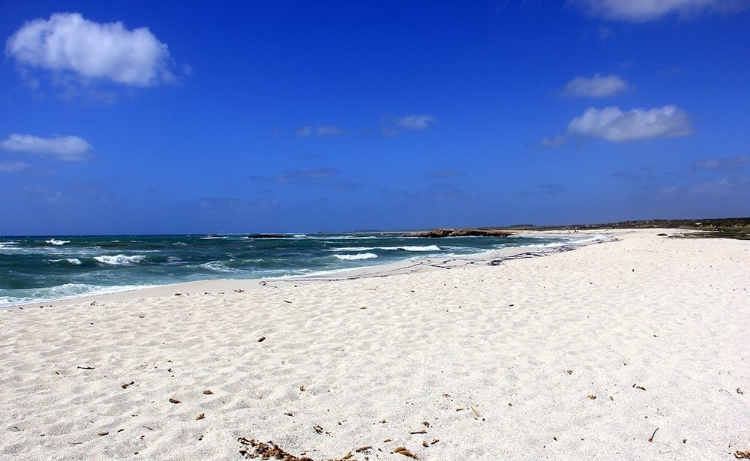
{"x": 35, "y": 269}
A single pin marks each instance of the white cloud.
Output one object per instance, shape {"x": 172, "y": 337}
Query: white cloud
{"x": 414, "y": 122}
{"x": 65, "y": 148}
{"x": 68, "y": 43}
{"x": 598, "y": 86}
{"x": 615, "y": 125}
{"x": 647, "y": 10}
{"x": 13, "y": 167}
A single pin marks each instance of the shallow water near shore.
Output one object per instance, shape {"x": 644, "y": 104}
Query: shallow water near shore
{"x": 49, "y": 268}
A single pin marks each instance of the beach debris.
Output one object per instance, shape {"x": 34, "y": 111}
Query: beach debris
{"x": 592, "y": 397}
{"x": 126, "y": 385}
{"x": 102, "y": 434}
{"x": 200, "y": 416}
{"x": 175, "y": 401}
{"x": 86, "y": 368}
{"x": 239, "y": 290}
{"x": 639, "y": 387}
{"x": 365, "y": 449}
{"x": 207, "y": 392}
{"x": 302, "y": 388}
{"x": 404, "y": 451}
{"x": 425, "y": 444}
{"x": 418, "y": 432}
{"x": 651, "y": 439}
{"x": 425, "y": 424}
{"x": 178, "y": 294}
{"x": 570, "y": 372}
{"x": 739, "y": 391}
{"x": 318, "y": 429}
{"x": 289, "y": 413}
{"x": 742, "y": 454}
{"x": 363, "y": 308}
{"x": 476, "y": 413}
{"x": 288, "y": 302}
{"x": 387, "y": 440}
{"x": 434, "y": 441}
{"x": 267, "y": 450}
{"x": 382, "y": 421}
{"x": 261, "y": 339}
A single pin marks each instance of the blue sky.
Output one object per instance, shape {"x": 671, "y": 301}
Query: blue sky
{"x": 275, "y": 116}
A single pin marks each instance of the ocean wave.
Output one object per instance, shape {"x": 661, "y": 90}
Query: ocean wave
{"x": 216, "y": 266}
{"x": 73, "y": 261}
{"x": 8, "y": 244}
{"x": 65, "y": 291}
{"x": 120, "y": 260}
{"x": 179, "y": 244}
{"x": 56, "y": 242}
{"x": 396, "y": 248}
{"x": 357, "y": 256}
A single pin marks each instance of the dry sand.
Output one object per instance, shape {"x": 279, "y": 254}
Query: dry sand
{"x": 633, "y": 349}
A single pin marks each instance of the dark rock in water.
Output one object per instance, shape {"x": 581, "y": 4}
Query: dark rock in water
{"x": 269, "y": 236}
{"x": 439, "y": 233}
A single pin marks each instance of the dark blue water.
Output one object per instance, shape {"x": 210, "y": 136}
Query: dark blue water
{"x": 47, "y": 268}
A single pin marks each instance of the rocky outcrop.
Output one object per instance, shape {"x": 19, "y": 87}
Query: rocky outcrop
{"x": 439, "y": 233}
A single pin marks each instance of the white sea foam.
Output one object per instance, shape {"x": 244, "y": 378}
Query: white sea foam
{"x": 357, "y": 256}
{"x": 396, "y": 248}
{"x": 120, "y": 260}
{"x": 73, "y": 261}
{"x": 179, "y": 244}
{"x": 8, "y": 244}
{"x": 57, "y": 242}
{"x": 66, "y": 291}
{"x": 216, "y": 266}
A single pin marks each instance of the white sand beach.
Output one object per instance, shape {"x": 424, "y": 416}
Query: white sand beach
{"x": 632, "y": 349}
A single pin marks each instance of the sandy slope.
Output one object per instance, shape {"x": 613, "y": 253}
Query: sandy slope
{"x": 495, "y": 362}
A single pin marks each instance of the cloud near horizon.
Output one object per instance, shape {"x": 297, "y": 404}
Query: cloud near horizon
{"x": 723, "y": 164}
{"x": 64, "y": 148}
{"x": 647, "y": 10}
{"x": 321, "y": 130}
{"x": 414, "y": 122}
{"x": 598, "y": 86}
{"x": 330, "y": 178}
{"x": 67, "y": 42}
{"x": 614, "y": 125}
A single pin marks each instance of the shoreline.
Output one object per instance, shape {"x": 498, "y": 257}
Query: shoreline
{"x": 635, "y": 348}
{"x": 395, "y": 267}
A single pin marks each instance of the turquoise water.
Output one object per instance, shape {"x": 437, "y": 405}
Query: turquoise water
{"x": 48, "y": 268}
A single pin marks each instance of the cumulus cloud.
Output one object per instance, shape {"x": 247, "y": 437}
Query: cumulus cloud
{"x": 724, "y": 164}
{"x": 69, "y": 44}
{"x": 414, "y": 122}
{"x": 598, "y": 86}
{"x": 647, "y": 10}
{"x": 65, "y": 148}
{"x": 615, "y": 125}
{"x": 13, "y": 167}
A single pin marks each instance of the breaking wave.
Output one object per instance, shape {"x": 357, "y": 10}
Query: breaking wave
{"x": 120, "y": 260}
{"x": 357, "y": 257}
